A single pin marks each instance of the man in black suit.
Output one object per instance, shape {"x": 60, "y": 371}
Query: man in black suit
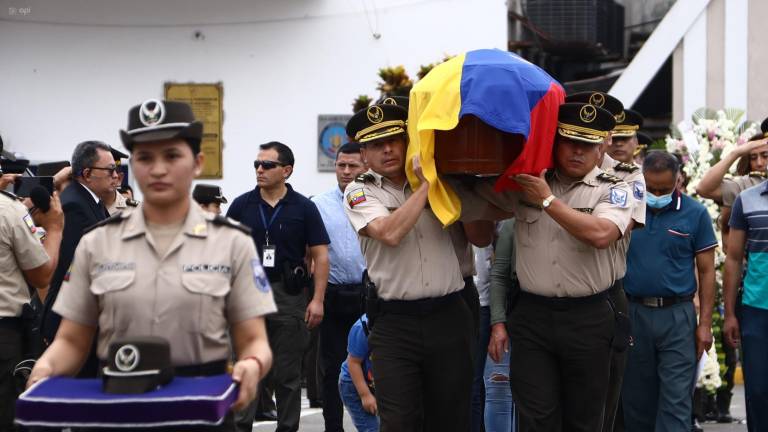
{"x": 94, "y": 171}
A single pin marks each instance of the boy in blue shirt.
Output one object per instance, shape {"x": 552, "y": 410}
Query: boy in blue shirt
{"x": 356, "y": 379}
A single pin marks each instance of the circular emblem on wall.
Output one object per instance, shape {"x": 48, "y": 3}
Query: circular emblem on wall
{"x": 332, "y": 137}
{"x": 127, "y": 358}
{"x": 152, "y": 112}
{"x": 597, "y": 99}
{"x": 375, "y": 114}
{"x": 588, "y": 113}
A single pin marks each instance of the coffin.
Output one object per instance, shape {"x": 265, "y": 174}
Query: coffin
{"x": 475, "y": 148}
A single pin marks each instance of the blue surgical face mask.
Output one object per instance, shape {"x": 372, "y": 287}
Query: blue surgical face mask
{"x": 657, "y": 202}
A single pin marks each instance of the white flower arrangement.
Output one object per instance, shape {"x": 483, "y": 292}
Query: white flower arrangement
{"x": 709, "y": 379}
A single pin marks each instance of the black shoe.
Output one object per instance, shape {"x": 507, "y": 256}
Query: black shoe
{"x": 266, "y": 416}
{"x": 725, "y": 418}
{"x": 314, "y": 403}
{"x": 696, "y": 427}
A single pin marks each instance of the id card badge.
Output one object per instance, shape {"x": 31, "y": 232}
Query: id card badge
{"x": 268, "y": 257}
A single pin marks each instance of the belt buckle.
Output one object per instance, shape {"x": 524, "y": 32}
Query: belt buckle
{"x": 654, "y": 302}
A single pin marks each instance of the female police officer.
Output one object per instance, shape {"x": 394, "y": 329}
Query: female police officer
{"x": 166, "y": 268}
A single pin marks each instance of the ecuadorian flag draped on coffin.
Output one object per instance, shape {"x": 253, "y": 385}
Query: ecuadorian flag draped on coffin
{"x": 501, "y": 89}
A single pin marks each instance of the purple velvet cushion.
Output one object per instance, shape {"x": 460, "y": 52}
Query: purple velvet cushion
{"x": 66, "y": 402}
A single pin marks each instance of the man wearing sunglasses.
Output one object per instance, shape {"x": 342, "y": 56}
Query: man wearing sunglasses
{"x": 284, "y": 224}
{"x": 94, "y": 172}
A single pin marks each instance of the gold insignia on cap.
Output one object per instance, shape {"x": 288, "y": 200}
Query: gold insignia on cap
{"x": 152, "y": 112}
{"x": 621, "y": 117}
{"x": 375, "y": 114}
{"x": 389, "y": 101}
{"x": 588, "y": 113}
{"x": 597, "y": 99}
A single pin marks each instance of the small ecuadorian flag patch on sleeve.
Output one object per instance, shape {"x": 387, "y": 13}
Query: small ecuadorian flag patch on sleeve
{"x": 68, "y": 274}
{"x": 356, "y": 197}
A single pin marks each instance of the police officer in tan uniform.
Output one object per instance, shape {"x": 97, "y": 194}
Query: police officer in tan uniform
{"x": 422, "y": 328}
{"x": 25, "y": 261}
{"x": 619, "y": 143}
{"x": 166, "y": 268}
{"x": 562, "y": 328}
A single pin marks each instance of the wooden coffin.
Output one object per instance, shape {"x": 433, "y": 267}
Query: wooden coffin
{"x": 475, "y": 148}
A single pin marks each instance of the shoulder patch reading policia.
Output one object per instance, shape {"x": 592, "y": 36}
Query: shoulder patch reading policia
{"x": 623, "y": 166}
{"x": 117, "y": 217}
{"x": 365, "y": 178}
{"x": 220, "y": 220}
{"x": 608, "y": 178}
{"x": 356, "y": 197}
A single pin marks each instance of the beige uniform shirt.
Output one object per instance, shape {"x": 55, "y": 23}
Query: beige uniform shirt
{"x": 423, "y": 265}
{"x": 118, "y": 205}
{"x": 633, "y": 176}
{"x": 208, "y": 279}
{"x": 19, "y": 250}
{"x": 732, "y": 187}
{"x": 551, "y": 262}
{"x": 463, "y": 249}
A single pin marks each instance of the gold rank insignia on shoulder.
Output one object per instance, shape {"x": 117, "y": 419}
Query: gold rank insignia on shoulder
{"x": 608, "y": 178}
{"x": 585, "y": 210}
{"x": 529, "y": 205}
{"x": 131, "y": 202}
{"x": 623, "y": 166}
{"x": 365, "y": 178}
{"x": 761, "y": 174}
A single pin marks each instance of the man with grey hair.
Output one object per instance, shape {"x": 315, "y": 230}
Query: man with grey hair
{"x": 94, "y": 171}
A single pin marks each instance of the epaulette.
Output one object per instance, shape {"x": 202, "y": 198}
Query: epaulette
{"x": 608, "y": 178}
{"x": 529, "y": 205}
{"x": 365, "y": 177}
{"x": 623, "y": 166}
{"x": 115, "y": 218}
{"x": 9, "y": 194}
{"x": 760, "y": 174}
{"x": 225, "y": 221}
{"x": 131, "y": 202}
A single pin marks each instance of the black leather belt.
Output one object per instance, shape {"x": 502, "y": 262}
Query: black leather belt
{"x": 564, "y": 302}
{"x": 660, "y": 302}
{"x": 419, "y": 307}
{"x": 11, "y": 323}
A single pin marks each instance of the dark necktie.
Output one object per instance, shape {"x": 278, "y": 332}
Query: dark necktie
{"x": 103, "y": 209}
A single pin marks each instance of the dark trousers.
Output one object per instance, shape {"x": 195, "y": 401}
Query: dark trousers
{"x": 10, "y": 356}
{"x": 478, "y": 383}
{"x": 288, "y": 338}
{"x": 657, "y": 394}
{"x": 614, "y": 416}
{"x": 341, "y": 312}
{"x": 310, "y": 368}
{"x": 559, "y": 361}
{"x": 422, "y": 367}
{"x": 754, "y": 346}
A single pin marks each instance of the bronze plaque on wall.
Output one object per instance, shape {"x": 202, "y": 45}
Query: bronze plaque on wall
{"x": 206, "y": 103}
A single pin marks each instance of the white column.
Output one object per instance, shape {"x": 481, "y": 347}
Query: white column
{"x": 736, "y": 71}
{"x": 695, "y": 66}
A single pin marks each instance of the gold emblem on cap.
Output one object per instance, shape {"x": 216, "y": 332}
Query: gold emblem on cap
{"x": 621, "y": 117}
{"x": 375, "y": 114}
{"x": 389, "y": 101}
{"x": 597, "y": 99}
{"x": 588, "y": 113}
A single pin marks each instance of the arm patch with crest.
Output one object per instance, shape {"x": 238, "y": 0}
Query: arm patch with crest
{"x": 356, "y": 197}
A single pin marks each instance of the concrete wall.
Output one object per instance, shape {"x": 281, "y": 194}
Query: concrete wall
{"x": 71, "y": 69}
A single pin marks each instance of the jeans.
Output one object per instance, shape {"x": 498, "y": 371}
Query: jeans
{"x": 363, "y": 420}
{"x": 754, "y": 346}
{"x": 499, "y": 407}
{"x": 478, "y": 391}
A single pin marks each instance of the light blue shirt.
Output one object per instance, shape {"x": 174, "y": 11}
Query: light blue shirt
{"x": 346, "y": 258}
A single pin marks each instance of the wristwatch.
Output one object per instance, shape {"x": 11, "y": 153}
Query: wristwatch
{"x": 547, "y": 201}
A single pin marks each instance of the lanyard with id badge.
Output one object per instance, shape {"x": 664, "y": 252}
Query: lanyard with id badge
{"x": 269, "y": 251}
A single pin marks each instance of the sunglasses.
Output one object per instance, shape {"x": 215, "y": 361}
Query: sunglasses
{"x": 110, "y": 170}
{"x": 266, "y": 164}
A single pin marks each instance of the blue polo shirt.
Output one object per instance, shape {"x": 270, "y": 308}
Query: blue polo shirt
{"x": 297, "y": 225}
{"x": 661, "y": 261}
{"x": 357, "y": 346}
{"x": 750, "y": 214}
